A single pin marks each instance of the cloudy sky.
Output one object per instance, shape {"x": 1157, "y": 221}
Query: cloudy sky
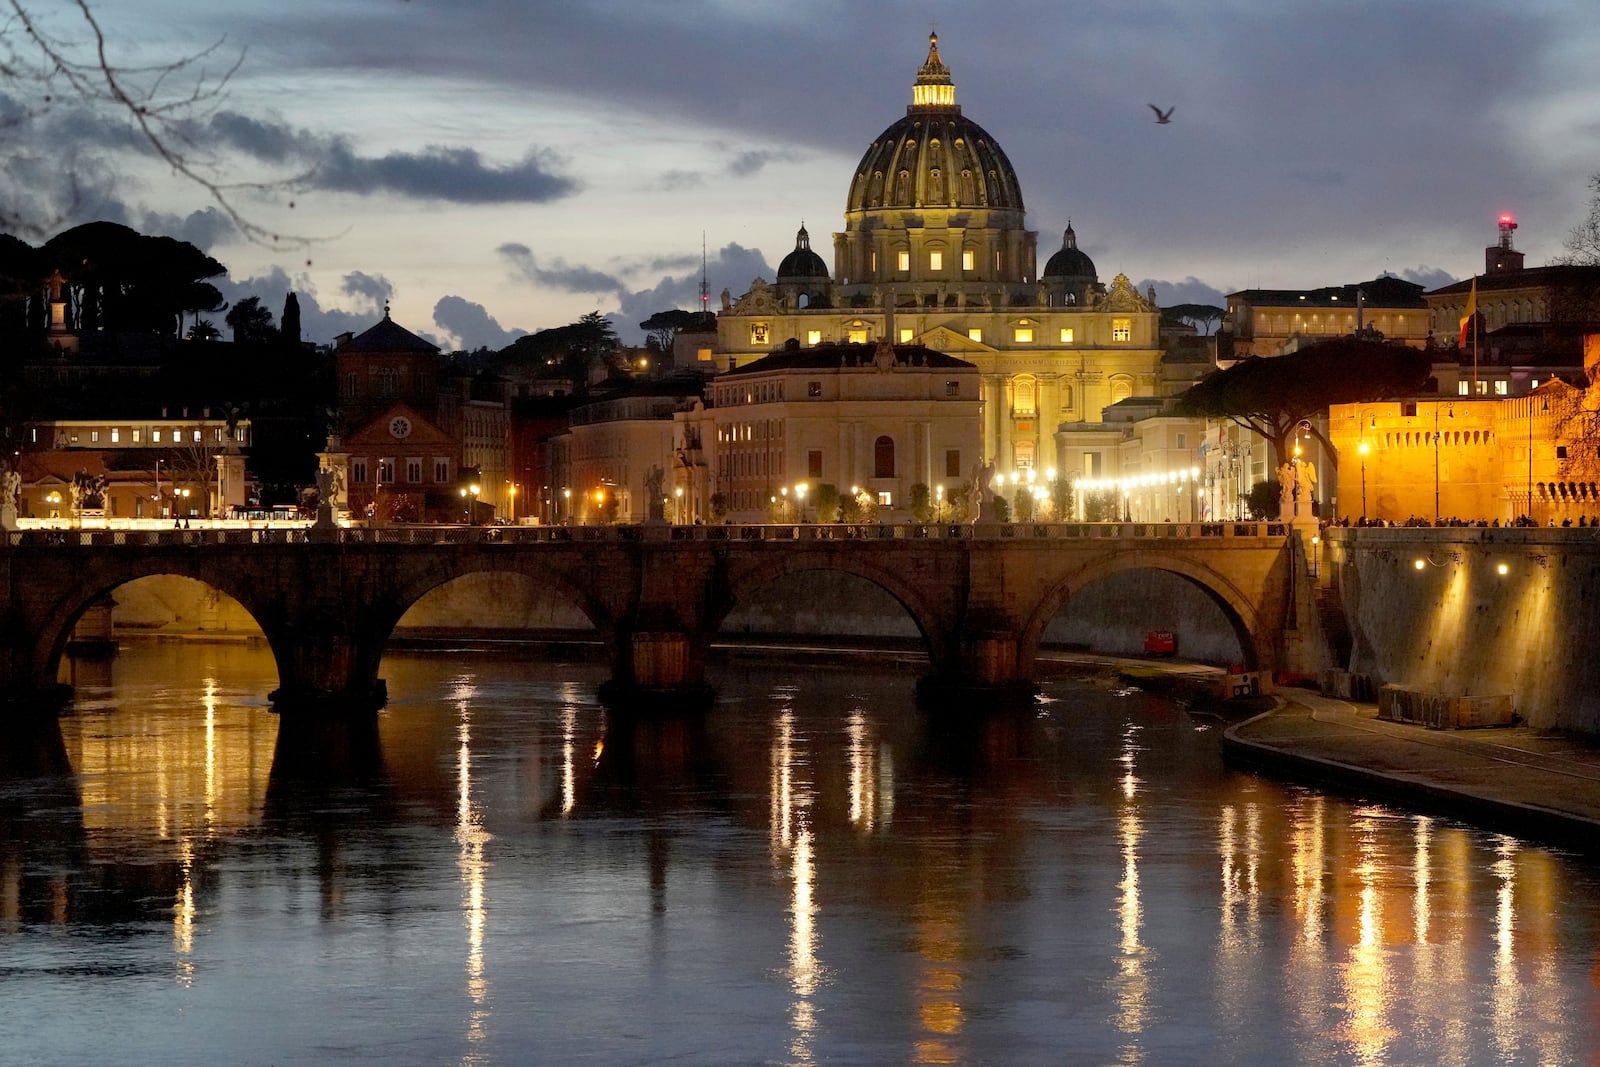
{"x": 498, "y": 166}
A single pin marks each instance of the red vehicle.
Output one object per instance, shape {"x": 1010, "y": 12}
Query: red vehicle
{"x": 1160, "y": 643}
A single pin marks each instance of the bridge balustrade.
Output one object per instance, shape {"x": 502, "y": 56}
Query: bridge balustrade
{"x": 417, "y": 534}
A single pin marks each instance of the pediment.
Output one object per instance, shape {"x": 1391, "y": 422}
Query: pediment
{"x": 944, "y": 339}
{"x": 378, "y": 436}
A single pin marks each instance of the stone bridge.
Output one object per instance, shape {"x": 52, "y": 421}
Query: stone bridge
{"x": 327, "y": 600}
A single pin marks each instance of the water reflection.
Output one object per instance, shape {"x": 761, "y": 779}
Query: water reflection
{"x": 831, "y": 878}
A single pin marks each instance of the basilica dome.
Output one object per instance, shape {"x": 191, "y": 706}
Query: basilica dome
{"x": 934, "y": 157}
{"x": 1070, "y": 261}
{"x": 802, "y": 264}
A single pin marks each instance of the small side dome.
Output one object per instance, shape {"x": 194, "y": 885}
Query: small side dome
{"x": 802, "y": 264}
{"x": 1070, "y": 262}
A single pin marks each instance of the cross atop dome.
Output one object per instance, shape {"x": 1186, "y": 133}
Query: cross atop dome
{"x": 933, "y": 87}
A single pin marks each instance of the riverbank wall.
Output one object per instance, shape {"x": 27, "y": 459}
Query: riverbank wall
{"x": 1473, "y": 612}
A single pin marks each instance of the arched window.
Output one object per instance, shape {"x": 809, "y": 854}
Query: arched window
{"x": 883, "y": 457}
{"x": 1024, "y": 392}
{"x": 1121, "y": 389}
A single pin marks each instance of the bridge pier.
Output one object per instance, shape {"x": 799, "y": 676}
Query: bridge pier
{"x": 658, "y": 671}
{"x": 984, "y": 665}
{"x": 327, "y": 674}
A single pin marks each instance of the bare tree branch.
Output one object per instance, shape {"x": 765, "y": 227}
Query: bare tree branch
{"x": 158, "y": 103}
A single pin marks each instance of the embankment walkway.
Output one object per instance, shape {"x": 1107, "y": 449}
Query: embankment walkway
{"x": 1517, "y": 780}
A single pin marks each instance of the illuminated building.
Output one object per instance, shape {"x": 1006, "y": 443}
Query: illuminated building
{"x": 935, "y": 252}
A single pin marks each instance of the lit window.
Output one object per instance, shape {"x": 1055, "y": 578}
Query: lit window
{"x": 1461, "y": 388}
{"x": 968, "y": 259}
{"x": 155, "y": 437}
{"x": 975, "y": 334}
{"x": 703, "y": 355}
{"x": 886, "y": 499}
{"x": 936, "y": 261}
{"x": 1533, "y": 383}
{"x": 858, "y": 337}
{"x": 813, "y": 389}
{"x": 905, "y": 260}
{"x": 1500, "y": 389}
{"x": 874, "y": 262}
{"x": 905, "y": 336}
{"x": 759, "y": 332}
{"x": 1066, "y": 335}
{"x": 1022, "y": 397}
{"x": 1023, "y": 335}
{"x": 136, "y": 435}
{"x": 116, "y": 435}
{"x": 813, "y": 337}
{"x": 1482, "y": 388}
{"x": 1122, "y": 329}
{"x": 94, "y": 435}
{"x": 196, "y": 437}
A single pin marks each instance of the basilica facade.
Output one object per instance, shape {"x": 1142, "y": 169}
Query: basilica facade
{"x": 936, "y": 252}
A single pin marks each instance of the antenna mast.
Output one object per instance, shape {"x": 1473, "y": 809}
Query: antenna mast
{"x": 705, "y": 285}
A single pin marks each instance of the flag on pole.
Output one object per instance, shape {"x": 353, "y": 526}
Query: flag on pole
{"x": 1472, "y": 309}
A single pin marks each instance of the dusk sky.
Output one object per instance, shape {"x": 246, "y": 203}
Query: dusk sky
{"x": 498, "y": 167}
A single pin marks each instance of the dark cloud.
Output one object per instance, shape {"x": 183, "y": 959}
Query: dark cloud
{"x": 318, "y": 325}
{"x": 558, "y": 274}
{"x": 1430, "y": 277}
{"x": 204, "y": 229}
{"x": 459, "y": 175}
{"x": 1189, "y": 291}
{"x": 733, "y": 268}
{"x": 752, "y": 161}
{"x": 456, "y": 174}
{"x": 373, "y": 291}
{"x": 675, "y": 180}
{"x": 471, "y": 324}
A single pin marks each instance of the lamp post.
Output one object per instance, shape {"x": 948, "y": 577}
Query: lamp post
{"x": 1362, "y": 448}
{"x": 566, "y": 505}
{"x": 511, "y": 495}
{"x": 677, "y": 505}
{"x": 800, "y": 498}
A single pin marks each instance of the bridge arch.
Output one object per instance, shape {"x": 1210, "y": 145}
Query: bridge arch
{"x": 933, "y": 622}
{"x": 96, "y": 580}
{"x": 1238, "y": 609}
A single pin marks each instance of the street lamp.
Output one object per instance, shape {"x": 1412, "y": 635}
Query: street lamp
{"x": 566, "y": 502}
{"x": 511, "y": 495}
{"x": 1530, "y": 453}
{"x": 800, "y": 497}
{"x": 677, "y": 505}
{"x": 469, "y": 506}
{"x": 1363, "y": 449}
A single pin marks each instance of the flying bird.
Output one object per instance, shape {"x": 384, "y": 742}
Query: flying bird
{"x": 1163, "y": 117}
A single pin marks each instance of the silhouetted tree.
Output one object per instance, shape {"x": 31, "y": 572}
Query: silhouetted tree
{"x": 1272, "y": 395}
{"x": 289, "y": 321}
{"x": 250, "y": 322}
{"x": 1202, "y": 317}
{"x": 663, "y": 326}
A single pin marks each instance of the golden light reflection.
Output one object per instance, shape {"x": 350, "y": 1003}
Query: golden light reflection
{"x": 1422, "y": 874}
{"x": 1133, "y": 980}
{"x": 939, "y": 986}
{"x": 183, "y": 914}
{"x": 804, "y": 969}
{"x": 791, "y": 840}
{"x": 471, "y": 838}
{"x": 569, "y": 774}
{"x": 1507, "y": 992}
{"x": 871, "y": 776}
{"x": 1366, "y": 973}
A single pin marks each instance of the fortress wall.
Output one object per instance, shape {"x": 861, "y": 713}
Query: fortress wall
{"x": 1458, "y": 628}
